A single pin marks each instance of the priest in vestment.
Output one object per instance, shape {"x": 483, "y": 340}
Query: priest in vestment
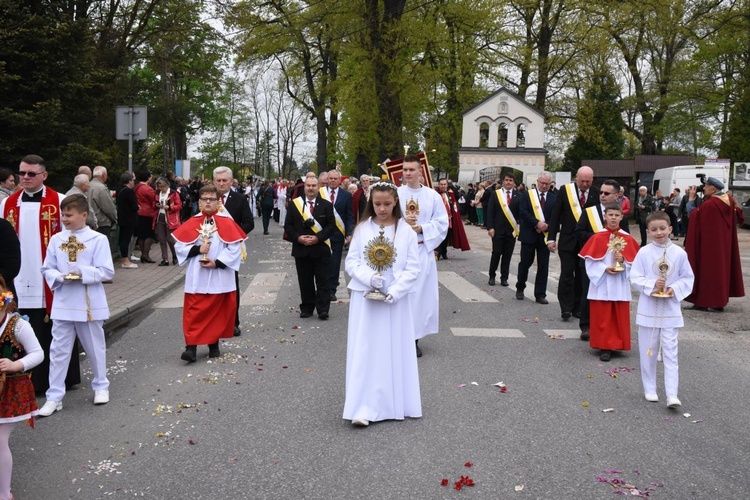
{"x": 713, "y": 249}
{"x": 609, "y": 290}
{"x": 34, "y": 213}
{"x": 210, "y": 304}
{"x": 424, "y": 211}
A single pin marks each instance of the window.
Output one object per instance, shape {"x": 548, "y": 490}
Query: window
{"x": 502, "y": 136}
{"x": 484, "y": 135}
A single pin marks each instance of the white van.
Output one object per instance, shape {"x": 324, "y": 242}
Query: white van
{"x": 682, "y": 176}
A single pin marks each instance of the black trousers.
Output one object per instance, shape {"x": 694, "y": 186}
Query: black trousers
{"x": 43, "y": 331}
{"x": 528, "y": 250}
{"x": 584, "y": 321}
{"x": 334, "y": 269}
{"x": 267, "y": 212}
{"x": 643, "y": 227}
{"x": 502, "y": 251}
{"x": 569, "y": 287}
{"x": 443, "y": 247}
{"x": 312, "y": 275}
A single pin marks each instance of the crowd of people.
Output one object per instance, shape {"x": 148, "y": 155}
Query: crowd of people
{"x": 392, "y": 237}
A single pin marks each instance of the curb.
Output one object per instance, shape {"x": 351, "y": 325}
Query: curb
{"x": 123, "y": 315}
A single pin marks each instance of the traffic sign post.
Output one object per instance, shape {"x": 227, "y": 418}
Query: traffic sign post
{"x": 131, "y": 124}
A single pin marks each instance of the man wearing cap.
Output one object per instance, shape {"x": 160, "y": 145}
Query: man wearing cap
{"x": 713, "y": 250}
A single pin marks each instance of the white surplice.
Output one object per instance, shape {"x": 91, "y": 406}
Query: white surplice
{"x": 654, "y": 311}
{"x": 434, "y": 221}
{"x": 605, "y": 286}
{"x": 382, "y": 380}
{"x": 80, "y": 300}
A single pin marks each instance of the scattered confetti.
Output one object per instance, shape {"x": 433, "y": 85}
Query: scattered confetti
{"x": 461, "y": 386}
{"x": 519, "y": 487}
{"x": 468, "y": 464}
{"x": 585, "y": 404}
{"x": 608, "y": 410}
{"x": 686, "y": 415}
{"x": 444, "y": 482}
{"x": 697, "y": 421}
{"x": 474, "y": 383}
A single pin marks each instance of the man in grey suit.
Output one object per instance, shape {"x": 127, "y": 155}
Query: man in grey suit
{"x": 342, "y": 234}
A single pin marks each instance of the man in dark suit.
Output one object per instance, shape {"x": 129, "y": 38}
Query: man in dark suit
{"x": 571, "y": 202}
{"x": 644, "y": 205}
{"x": 535, "y": 208}
{"x": 309, "y": 224}
{"x": 342, "y": 234}
{"x": 234, "y": 203}
{"x": 500, "y": 206}
{"x": 585, "y": 228}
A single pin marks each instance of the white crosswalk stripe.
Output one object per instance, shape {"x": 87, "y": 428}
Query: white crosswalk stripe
{"x": 263, "y": 290}
{"x": 487, "y": 332}
{"x": 462, "y": 289}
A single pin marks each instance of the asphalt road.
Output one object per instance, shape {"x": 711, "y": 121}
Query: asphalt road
{"x": 264, "y": 421}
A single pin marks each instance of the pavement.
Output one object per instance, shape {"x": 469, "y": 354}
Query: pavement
{"x": 133, "y": 289}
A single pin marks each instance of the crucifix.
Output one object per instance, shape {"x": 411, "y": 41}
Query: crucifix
{"x": 72, "y": 246}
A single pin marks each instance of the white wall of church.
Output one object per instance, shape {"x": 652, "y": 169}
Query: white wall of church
{"x": 492, "y": 112}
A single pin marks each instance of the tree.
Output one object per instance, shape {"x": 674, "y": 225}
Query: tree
{"x": 600, "y": 124}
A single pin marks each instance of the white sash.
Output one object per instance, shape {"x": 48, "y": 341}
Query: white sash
{"x": 536, "y": 206}
{"x": 508, "y": 214}
{"x": 339, "y": 221}
{"x": 573, "y": 201}
{"x": 300, "y": 204}
{"x": 594, "y": 220}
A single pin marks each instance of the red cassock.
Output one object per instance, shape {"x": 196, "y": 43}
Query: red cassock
{"x": 714, "y": 253}
{"x": 457, "y": 234}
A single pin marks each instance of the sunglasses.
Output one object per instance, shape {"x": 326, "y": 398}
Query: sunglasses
{"x": 29, "y": 174}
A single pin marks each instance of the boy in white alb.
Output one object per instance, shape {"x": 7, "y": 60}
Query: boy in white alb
{"x": 78, "y": 261}
{"x": 424, "y": 211}
{"x": 660, "y": 268}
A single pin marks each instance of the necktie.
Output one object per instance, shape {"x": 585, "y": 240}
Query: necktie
{"x": 541, "y": 199}
{"x": 333, "y": 192}
{"x": 224, "y": 202}
{"x": 312, "y": 205}
{"x": 583, "y": 199}
{"x": 507, "y": 196}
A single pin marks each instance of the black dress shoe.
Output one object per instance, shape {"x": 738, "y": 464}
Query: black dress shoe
{"x": 491, "y": 282}
{"x": 189, "y": 354}
{"x": 566, "y": 315}
{"x": 605, "y": 355}
{"x": 147, "y": 260}
{"x": 419, "y": 351}
{"x": 237, "y": 331}
{"x": 519, "y": 294}
{"x": 174, "y": 261}
{"x": 576, "y": 314}
{"x": 266, "y": 233}
{"x": 163, "y": 263}
{"x": 697, "y": 308}
{"x": 585, "y": 334}
{"x": 718, "y": 309}
{"x": 213, "y": 350}
{"x": 334, "y": 298}
{"x": 503, "y": 282}
{"x": 304, "y": 314}
{"x": 323, "y": 316}
{"x": 541, "y": 300}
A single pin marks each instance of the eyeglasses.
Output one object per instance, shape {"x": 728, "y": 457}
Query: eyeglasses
{"x": 207, "y": 200}
{"x": 29, "y": 174}
{"x": 605, "y": 193}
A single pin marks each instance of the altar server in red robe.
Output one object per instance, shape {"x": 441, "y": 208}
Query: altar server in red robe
{"x": 608, "y": 255}
{"x": 209, "y": 243}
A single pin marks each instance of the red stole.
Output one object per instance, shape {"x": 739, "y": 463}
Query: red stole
{"x": 597, "y": 246}
{"x": 49, "y": 223}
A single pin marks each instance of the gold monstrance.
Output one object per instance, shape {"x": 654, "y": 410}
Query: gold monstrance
{"x": 412, "y": 207}
{"x": 72, "y": 246}
{"x": 380, "y": 255}
{"x": 663, "y": 267}
{"x": 204, "y": 233}
{"x": 616, "y": 245}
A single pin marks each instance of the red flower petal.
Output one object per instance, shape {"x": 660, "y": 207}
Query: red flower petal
{"x": 444, "y": 482}
{"x": 458, "y": 485}
{"x": 468, "y": 464}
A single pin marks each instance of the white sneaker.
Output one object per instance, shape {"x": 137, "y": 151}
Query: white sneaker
{"x": 360, "y": 422}
{"x": 129, "y": 266}
{"x": 673, "y": 402}
{"x": 134, "y": 259}
{"x": 652, "y": 396}
{"x": 49, "y": 408}
{"x": 101, "y": 397}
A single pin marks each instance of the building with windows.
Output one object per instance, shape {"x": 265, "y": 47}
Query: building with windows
{"x": 503, "y": 131}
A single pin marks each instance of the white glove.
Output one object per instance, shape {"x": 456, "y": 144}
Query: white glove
{"x": 377, "y": 281}
{"x": 73, "y": 268}
{"x": 389, "y": 299}
{"x": 59, "y": 279}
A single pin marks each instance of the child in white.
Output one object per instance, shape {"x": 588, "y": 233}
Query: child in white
{"x": 79, "y": 307}
{"x": 658, "y": 318}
